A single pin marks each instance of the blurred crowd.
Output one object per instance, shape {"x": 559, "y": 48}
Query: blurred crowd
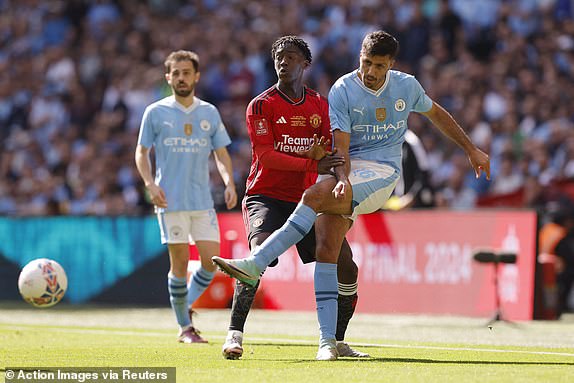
{"x": 76, "y": 75}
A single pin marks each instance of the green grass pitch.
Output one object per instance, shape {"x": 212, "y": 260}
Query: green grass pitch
{"x": 281, "y": 346}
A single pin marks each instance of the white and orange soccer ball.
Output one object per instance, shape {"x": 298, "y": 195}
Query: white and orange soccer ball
{"x": 42, "y": 282}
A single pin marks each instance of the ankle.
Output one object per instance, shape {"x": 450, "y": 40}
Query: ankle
{"x": 234, "y": 333}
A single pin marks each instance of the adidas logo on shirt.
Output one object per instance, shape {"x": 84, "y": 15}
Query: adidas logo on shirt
{"x": 281, "y": 120}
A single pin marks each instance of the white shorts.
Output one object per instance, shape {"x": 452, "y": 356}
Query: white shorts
{"x": 188, "y": 226}
{"x": 372, "y": 185}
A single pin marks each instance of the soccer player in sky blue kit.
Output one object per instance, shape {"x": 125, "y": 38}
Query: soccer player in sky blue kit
{"x": 368, "y": 108}
{"x": 184, "y": 130}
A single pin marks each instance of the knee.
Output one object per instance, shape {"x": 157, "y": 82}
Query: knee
{"x": 178, "y": 267}
{"x": 312, "y": 198}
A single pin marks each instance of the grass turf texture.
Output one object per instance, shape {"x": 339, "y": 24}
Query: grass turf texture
{"x": 281, "y": 346}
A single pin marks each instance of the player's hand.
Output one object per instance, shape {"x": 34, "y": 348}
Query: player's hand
{"x": 157, "y": 196}
{"x": 341, "y": 188}
{"x": 327, "y": 163}
{"x": 230, "y": 196}
{"x": 480, "y": 162}
{"x": 318, "y": 149}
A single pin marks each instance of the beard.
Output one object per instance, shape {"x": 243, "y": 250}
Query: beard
{"x": 182, "y": 92}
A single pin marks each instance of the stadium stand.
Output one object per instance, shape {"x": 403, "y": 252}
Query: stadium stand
{"x": 75, "y": 76}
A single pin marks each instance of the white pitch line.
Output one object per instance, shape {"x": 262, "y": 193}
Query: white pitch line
{"x": 298, "y": 341}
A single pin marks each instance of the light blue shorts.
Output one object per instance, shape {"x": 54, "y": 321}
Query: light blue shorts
{"x": 372, "y": 185}
{"x": 188, "y": 226}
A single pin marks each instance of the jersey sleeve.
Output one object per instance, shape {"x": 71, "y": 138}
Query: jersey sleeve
{"x": 421, "y": 102}
{"x": 219, "y": 137}
{"x": 146, "y": 135}
{"x": 339, "y": 108}
{"x": 325, "y": 120}
{"x": 259, "y": 116}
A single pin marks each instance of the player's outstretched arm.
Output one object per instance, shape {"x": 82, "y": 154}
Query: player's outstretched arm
{"x": 223, "y": 162}
{"x": 449, "y": 127}
{"x": 143, "y": 164}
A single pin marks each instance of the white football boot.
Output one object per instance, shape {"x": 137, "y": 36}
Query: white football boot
{"x": 233, "y": 346}
{"x": 327, "y": 350}
{"x": 244, "y": 270}
{"x": 345, "y": 350}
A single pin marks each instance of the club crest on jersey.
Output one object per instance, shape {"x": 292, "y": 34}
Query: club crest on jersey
{"x": 261, "y": 127}
{"x": 187, "y": 129}
{"x": 258, "y": 222}
{"x": 381, "y": 114}
{"x": 400, "y": 105}
{"x": 204, "y": 125}
{"x": 315, "y": 121}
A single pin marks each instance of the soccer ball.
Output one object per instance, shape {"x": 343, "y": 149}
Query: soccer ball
{"x": 42, "y": 282}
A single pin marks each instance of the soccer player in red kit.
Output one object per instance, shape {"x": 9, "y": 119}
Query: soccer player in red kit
{"x": 289, "y": 128}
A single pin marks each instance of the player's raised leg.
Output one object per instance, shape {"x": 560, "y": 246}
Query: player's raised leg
{"x": 248, "y": 270}
{"x": 317, "y": 199}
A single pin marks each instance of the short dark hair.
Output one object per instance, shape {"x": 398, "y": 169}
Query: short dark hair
{"x": 380, "y": 43}
{"x": 181, "y": 55}
{"x": 293, "y": 40}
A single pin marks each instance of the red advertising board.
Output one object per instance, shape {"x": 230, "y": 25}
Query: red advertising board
{"x": 417, "y": 262}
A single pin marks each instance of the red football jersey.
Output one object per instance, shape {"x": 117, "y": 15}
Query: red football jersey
{"x": 278, "y": 128}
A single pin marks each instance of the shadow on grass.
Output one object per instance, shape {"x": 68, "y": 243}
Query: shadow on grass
{"x": 404, "y": 360}
{"x": 311, "y": 344}
{"x": 426, "y": 361}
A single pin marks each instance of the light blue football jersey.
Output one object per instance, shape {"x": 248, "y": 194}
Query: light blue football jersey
{"x": 183, "y": 139}
{"x": 376, "y": 120}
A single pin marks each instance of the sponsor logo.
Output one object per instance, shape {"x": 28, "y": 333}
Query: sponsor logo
{"x": 204, "y": 125}
{"x": 381, "y": 114}
{"x": 315, "y": 120}
{"x": 290, "y": 144}
{"x": 281, "y": 120}
{"x": 378, "y": 132}
{"x": 258, "y": 222}
{"x": 360, "y": 111}
{"x": 182, "y": 141}
{"x": 168, "y": 123}
{"x": 261, "y": 127}
{"x": 400, "y": 105}
{"x": 374, "y": 129}
{"x": 187, "y": 129}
